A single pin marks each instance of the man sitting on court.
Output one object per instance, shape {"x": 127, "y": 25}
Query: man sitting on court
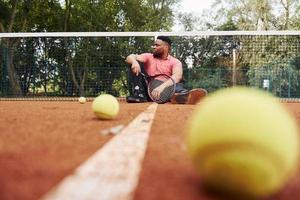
{"x": 159, "y": 62}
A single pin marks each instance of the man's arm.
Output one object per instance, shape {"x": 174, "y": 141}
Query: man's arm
{"x": 177, "y": 72}
{"x": 133, "y": 59}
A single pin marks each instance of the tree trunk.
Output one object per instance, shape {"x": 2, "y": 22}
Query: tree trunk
{"x": 13, "y": 80}
{"x": 68, "y": 57}
{"x": 286, "y": 5}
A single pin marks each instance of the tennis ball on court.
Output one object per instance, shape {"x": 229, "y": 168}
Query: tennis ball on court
{"x": 105, "y": 106}
{"x": 82, "y": 99}
{"x": 243, "y": 143}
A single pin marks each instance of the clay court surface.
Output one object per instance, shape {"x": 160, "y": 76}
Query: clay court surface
{"x": 42, "y": 142}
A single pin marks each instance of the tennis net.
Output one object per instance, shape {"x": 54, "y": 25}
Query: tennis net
{"x": 68, "y": 64}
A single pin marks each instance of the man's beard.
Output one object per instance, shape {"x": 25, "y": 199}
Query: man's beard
{"x": 157, "y": 54}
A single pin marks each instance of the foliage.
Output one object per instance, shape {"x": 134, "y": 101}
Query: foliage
{"x": 65, "y": 65}
{"x": 283, "y": 78}
{"x": 258, "y": 14}
{"x": 211, "y": 79}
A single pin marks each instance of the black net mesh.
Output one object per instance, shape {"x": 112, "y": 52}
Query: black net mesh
{"x": 87, "y": 66}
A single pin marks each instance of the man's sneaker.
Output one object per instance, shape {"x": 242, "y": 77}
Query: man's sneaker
{"x": 135, "y": 99}
{"x": 191, "y": 97}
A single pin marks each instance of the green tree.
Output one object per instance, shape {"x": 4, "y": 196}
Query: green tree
{"x": 67, "y": 63}
{"x": 259, "y": 14}
{"x": 23, "y": 16}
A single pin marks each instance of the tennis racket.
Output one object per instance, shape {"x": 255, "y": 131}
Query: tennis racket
{"x": 161, "y": 87}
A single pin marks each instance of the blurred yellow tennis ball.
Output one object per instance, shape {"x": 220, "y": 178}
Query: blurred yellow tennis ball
{"x": 105, "y": 106}
{"x": 243, "y": 142}
{"x": 82, "y": 99}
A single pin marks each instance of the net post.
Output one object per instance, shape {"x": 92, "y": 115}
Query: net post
{"x": 234, "y": 67}
{"x": 289, "y": 81}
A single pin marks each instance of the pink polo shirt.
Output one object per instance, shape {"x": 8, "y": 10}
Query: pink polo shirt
{"x": 154, "y": 66}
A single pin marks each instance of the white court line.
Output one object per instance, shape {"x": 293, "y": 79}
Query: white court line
{"x": 112, "y": 173}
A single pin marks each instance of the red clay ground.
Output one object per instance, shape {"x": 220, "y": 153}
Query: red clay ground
{"x": 42, "y": 142}
{"x": 167, "y": 172}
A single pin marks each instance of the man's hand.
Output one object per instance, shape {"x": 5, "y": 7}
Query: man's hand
{"x": 136, "y": 68}
{"x": 157, "y": 91}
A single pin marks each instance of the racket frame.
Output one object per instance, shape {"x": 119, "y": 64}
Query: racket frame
{"x": 148, "y": 80}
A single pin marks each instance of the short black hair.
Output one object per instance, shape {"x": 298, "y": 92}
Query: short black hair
{"x": 165, "y": 39}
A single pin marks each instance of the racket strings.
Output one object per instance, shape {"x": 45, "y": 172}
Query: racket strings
{"x": 166, "y": 94}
